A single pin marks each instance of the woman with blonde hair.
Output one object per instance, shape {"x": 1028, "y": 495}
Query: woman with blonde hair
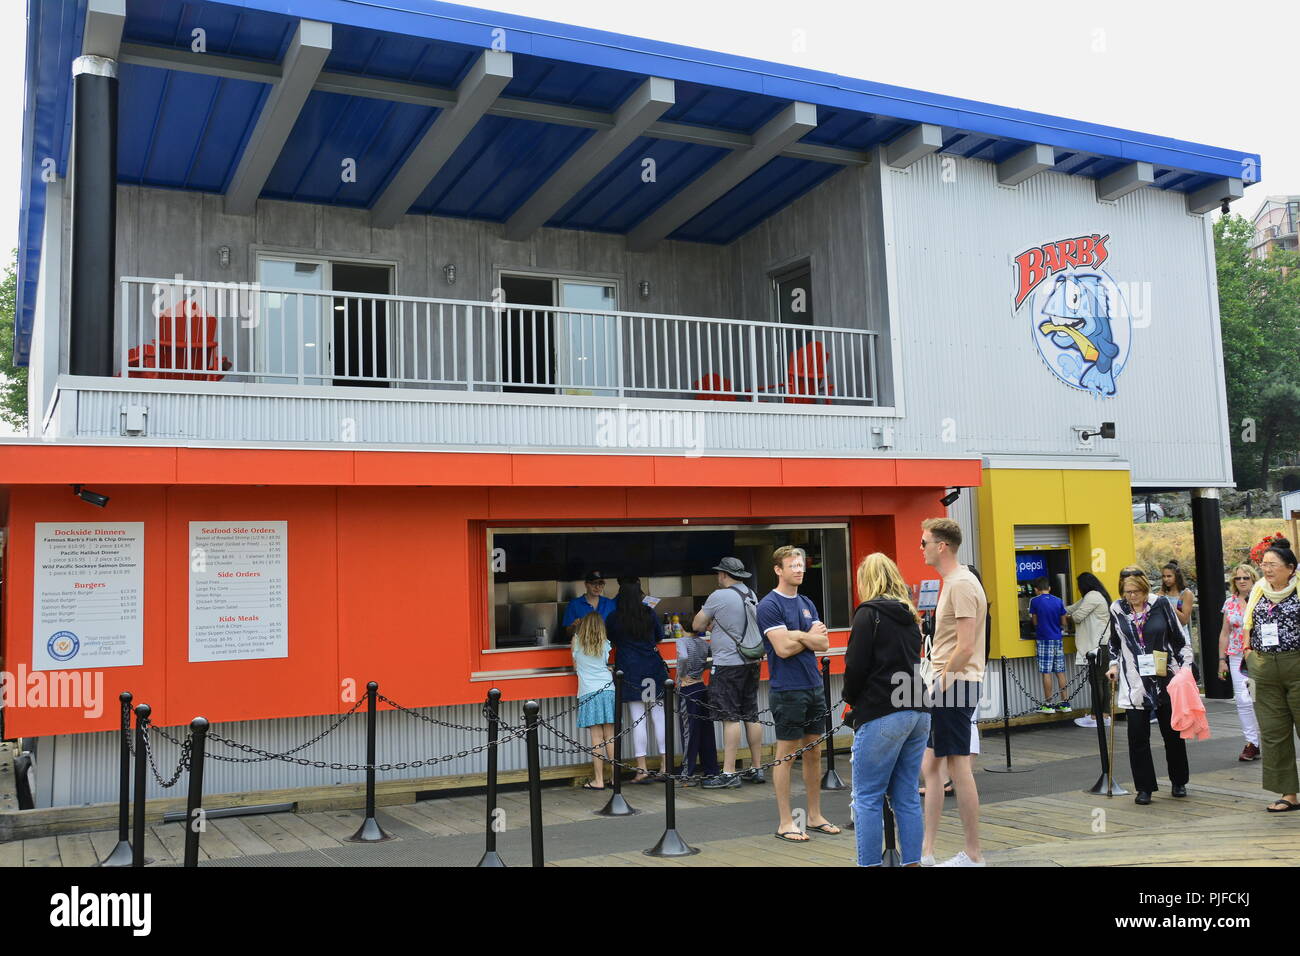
{"x": 1231, "y": 646}
{"x": 595, "y": 693}
{"x": 890, "y": 728}
{"x": 1146, "y": 650}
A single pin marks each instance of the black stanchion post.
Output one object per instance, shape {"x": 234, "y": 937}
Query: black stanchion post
{"x": 194, "y": 821}
{"x": 671, "y": 843}
{"x": 617, "y": 806}
{"x": 370, "y": 831}
{"x": 831, "y": 780}
{"x": 121, "y": 854}
{"x": 891, "y": 855}
{"x": 1006, "y": 728}
{"x": 490, "y": 857}
{"x": 1097, "y": 680}
{"x": 534, "y": 783}
{"x": 142, "y": 712}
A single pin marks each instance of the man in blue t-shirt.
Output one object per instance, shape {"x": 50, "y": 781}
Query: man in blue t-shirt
{"x": 793, "y": 630}
{"x": 1048, "y": 614}
{"x": 594, "y": 601}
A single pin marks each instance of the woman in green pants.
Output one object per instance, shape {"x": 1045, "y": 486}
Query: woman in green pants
{"x": 1273, "y": 623}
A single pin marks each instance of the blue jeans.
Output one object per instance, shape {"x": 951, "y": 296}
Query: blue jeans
{"x": 887, "y": 756}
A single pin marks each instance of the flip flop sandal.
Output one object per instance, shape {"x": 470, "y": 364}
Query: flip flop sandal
{"x": 825, "y": 828}
{"x": 791, "y": 833}
{"x": 588, "y": 786}
{"x": 1289, "y": 806}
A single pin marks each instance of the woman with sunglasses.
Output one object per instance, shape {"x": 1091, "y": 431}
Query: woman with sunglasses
{"x": 1273, "y": 623}
{"x": 1230, "y": 651}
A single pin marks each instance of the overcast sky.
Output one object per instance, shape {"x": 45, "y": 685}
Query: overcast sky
{"x": 1222, "y": 75}
{"x": 1200, "y": 71}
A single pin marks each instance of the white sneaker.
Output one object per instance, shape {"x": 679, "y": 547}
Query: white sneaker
{"x": 961, "y": 859}
{"x": 1089, "y": 721}
{"x": 927, "y": 860}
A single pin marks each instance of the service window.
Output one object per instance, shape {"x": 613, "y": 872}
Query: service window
{"x": 535, "y": 572}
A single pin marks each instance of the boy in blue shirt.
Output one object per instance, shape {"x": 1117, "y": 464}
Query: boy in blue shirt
{"x": 1047, "y": 612}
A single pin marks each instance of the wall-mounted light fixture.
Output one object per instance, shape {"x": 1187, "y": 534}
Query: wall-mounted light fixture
{"x": 1107, "y": 430}
{"x": 643, "y": 287}
{"x": 93, "y": 497}
{"x": 223, "y": 257}
{"x": 449, "y": 271}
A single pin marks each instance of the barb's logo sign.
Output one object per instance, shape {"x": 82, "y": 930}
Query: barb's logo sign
{"x": 1079, "y": 320}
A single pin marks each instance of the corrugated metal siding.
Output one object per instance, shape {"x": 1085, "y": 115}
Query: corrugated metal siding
{"x": 973, "y": 378}
{"x": 84, "y": 766}
{"x": 1023, "y": 679}
{"x": 965, "y": 511}
{"x": 240, "y": 417}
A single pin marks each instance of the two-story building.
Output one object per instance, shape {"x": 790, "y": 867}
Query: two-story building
{"x": 358, "y": 334}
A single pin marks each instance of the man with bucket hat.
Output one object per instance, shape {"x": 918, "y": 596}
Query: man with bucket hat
{"x": 733, "y": 690}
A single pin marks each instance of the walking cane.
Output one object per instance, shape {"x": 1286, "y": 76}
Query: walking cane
{"x": 1110, "y": 753}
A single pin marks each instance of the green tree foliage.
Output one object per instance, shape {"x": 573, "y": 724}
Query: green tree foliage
{"x": 1259, "y": 312}
{"x": 13, "y": 379}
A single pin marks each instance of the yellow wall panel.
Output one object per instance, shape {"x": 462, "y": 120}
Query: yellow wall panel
{"x": 1097, "y": 507}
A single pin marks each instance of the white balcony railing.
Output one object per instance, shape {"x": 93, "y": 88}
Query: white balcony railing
{"x": 212, "y": 331}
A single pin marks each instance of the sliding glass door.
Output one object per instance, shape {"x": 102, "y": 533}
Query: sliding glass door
{"x": 587, "y": 343}
{"x": 288, "y": 335}
{"x": 328, "y": 339}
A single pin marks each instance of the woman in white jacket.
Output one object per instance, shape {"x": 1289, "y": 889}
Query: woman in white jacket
{"x": 1146, "y": 650}
{"x": 1091, "y": 617}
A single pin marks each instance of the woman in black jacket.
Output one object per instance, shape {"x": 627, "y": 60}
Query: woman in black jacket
{"x": 635, "y": 639}
{"x": 882, "y": 686}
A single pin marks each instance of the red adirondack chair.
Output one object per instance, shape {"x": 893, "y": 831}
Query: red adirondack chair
{"x": 187, "y": 339}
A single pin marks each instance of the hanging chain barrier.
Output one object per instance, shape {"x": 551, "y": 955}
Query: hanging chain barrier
{"x": 717, "y": 714}
{"x": 661, "y": 774}
{"x": 512, "y": 732}
{"x": 182, "y": 764}
{"x": 319, "y": 737}
{"x": 1071, "y": 688}
{"x": 127, "y": 713}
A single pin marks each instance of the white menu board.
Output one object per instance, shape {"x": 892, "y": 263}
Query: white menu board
{"x": 238, "y": 590}
{"x": 88, "y": 605}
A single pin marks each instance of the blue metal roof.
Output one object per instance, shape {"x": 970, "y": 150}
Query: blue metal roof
{"x": 187, "y": 131}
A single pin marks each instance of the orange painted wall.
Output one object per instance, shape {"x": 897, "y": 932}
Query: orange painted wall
{"x": 385, "y": 583}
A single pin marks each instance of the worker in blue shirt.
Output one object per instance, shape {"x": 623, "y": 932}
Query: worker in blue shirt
{"x": 584, "y": 604}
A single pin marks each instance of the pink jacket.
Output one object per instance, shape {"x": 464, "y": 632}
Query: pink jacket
{"x": 1188, "y": 711}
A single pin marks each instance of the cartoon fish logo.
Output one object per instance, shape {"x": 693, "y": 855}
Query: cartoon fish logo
{"x": 1077, "y": 318}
